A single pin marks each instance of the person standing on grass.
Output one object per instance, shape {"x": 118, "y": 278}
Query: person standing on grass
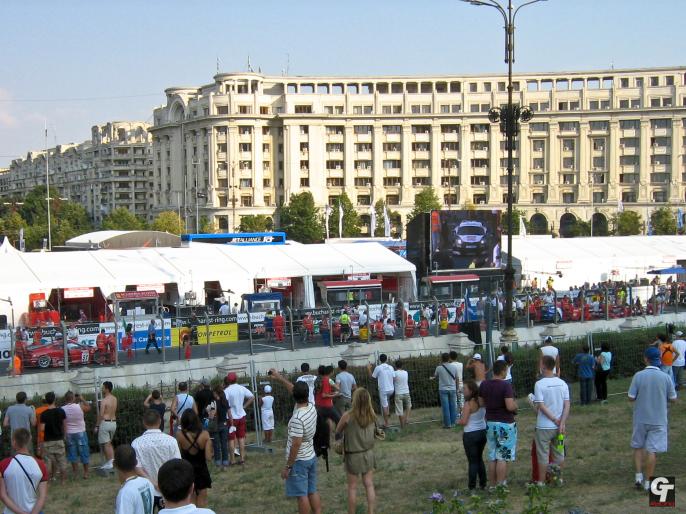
{"x": 136, "y": 493}
{"x": 219, "y": 411}
{"x": 478, "y": 368}
{"x": 23, "y": 478}
{"x": 602, "y": 371}
{"x": 679, "y": 345}
{"x": 346, "y": 384}
{"x": 266, "y": 402}
{"x": 448, "y": 384}
{"x": 300, "y": 471}
{"x": 506, "y": 355}
{"x": 20, "y": 415}
{"x": 551, "y": 400}
{"x": 460, "y": 369}
{"x": 324, "y": 393}
{"x": 40, "y": 435}
{"x": 650, "y": 391}
{"x": 239, "y": 398}
{"x": 585, "y": 368}
{"x": 552, "y": 351}
{"x": 176, "y": 483}
{"x": 474, "y": 436}
{"x": 53, "y": 424}
{"x": 106, "y": 425}
{"x": 358, "y": 427}
{"x": 667, "y": 355}
{"x": 383, "y": 374}
{"x": 497, "y": 396}
{"x": 196, "y": 448}
{"x": 77, "y": 439}
{"x": 180, "y": 404}
{"x": 401, "y": 393}
{"x": 153, "y": 448}
{"x": 154, "y": 401}
{"x": 308, "y": 379}
{"x": 202, "y": 398}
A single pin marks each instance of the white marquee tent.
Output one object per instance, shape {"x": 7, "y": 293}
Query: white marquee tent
{"x": 234, "y": 267}
{"x": 595, "y": 259}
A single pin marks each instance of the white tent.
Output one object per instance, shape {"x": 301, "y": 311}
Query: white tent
{"x": 586, "y": 259}
{"x": 234, "y": 267}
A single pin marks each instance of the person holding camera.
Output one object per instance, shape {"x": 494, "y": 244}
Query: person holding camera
{"x": 77, "y": 440}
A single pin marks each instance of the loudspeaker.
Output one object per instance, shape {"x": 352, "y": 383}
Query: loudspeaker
{"x": 3, "y": 322}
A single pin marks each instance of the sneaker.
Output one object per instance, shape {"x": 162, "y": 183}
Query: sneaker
{"x": 638, "y": 485}
{"x": 237, "y": 452}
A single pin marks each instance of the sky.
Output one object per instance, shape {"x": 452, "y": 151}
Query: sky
{"x": 76, "y": 63}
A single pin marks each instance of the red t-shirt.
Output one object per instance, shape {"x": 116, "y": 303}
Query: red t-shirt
{"x": 319, "y": 399}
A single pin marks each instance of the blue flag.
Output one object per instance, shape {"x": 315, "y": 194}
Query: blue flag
{"x": 679, "y": 218}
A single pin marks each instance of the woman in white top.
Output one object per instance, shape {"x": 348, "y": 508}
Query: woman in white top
{"x": 180, "y": 404}
{"x": 267, "y": 413}
{"x": 474, "y": 436}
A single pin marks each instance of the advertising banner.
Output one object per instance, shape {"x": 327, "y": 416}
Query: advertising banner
{"x": 140, "y": 332}
{"x": 223, "y": 329}
{"x": 465, "y": 239}
{"x": 5, "y": 345}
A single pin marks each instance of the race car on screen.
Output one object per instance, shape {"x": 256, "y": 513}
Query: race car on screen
{"x": 51, "y": 354}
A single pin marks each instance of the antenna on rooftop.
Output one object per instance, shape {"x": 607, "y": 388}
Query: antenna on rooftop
{"x": 249, "y": 65}
{"x": 217, "y": 64}
{"x": 288, "y": 64}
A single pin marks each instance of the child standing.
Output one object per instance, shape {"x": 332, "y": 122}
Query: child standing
{"x": 267, "y": 411}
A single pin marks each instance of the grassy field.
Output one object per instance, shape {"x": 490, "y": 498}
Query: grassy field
{"x": 426, "y": 458}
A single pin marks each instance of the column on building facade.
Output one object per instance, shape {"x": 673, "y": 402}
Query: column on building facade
{"x": 494, "y": 170}
{"x": 407, "y": 196}
{"x": 318, "y": 164}
{"x": 553, "y": 164}
{"x": 257, "y": 166}
{"x": 525, "y": 165}
{"x": 436, "y": 154}
{"x": 644, "y": 162}
{"x": 675, "y": 194}
{"x": 612, "y": 163}
{"x": 377, "y": 190}
{"x": 291, "y": 160}
{"x": 465, "y": 166}
{"x": 348, "y": 157}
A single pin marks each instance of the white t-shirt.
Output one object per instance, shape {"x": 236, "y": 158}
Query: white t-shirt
{"x": 184, "y": 402}
{"x": 187, "y": 509}
{"x": 309, "y": 380}
{"x": 383, "y": 374}
{"x": 680, "y": 346}
{"x": 552, "y": 352}
{"x": 509, "y": 375}
{"x": 552, "y": 392}
{"x": 236, "y": 395}
{"x": 135, "y": 497}
{"x": 400, "y": 382}
{"x": 267, "y": 402}
{"x": 224, "y": 309}
{"x": 153, "y": 449}
{"x": 388, "y": 329}
{"x": 17, "y": 483}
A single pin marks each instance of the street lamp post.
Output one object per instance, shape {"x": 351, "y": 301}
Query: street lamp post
{"x": 509, "y": 118}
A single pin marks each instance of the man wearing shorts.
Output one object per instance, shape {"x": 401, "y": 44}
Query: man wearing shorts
{"x": 239, "y": 398}
{"x": 107, "y": 425}
{"x": 551, "y": 400}
{"x": 650, "y": 391}
{"x": 401, "y": 387}
{"x": 497, "y": 396}
{"x": 52, "y": 422}
{"x": 383, "y": 374}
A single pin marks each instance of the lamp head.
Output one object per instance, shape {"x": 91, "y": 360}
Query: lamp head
{"x": 494, "y": 115}
{"x": 525, "y": 114}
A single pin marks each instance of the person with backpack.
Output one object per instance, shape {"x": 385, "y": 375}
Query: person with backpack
{"x": 324, "y": 394}
{"x": 23, "y": 478}
{"x": 300, "y": 470}
{"x": 181, "y": 403}
{"x": 668, "y": 354}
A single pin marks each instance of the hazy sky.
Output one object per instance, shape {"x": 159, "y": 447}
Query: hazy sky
{"x": 81, "y": 62}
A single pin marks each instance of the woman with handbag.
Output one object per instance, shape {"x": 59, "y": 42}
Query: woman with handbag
{"x": 358, "y": 431}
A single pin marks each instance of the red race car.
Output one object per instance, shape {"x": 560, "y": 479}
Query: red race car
{"x": 51, "y": 354}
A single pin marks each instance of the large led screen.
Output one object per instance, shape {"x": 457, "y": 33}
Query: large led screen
{"x": 465, "y": 239}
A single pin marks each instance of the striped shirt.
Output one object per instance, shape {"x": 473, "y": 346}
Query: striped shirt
{"x": 303, "y": 424}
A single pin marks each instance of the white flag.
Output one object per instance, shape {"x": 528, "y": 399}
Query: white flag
{"x": 522, "y": 227}
{"x": 620, "y": 206}
{"x": 386, "y": 223}
{"x": 340, "y": 218}
{"x": 327, "y": 215}
{"x": 372, "y": 222}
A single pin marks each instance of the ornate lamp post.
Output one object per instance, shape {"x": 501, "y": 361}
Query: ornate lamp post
{"x": 509, "y": 117}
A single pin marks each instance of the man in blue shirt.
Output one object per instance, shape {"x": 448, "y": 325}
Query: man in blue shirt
{"x": 650, "y": 390}
{"x": 586, "y": 365}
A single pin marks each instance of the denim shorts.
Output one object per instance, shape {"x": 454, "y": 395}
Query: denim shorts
{"x": 77, "y": 446}
{"x": 302, "y": 479}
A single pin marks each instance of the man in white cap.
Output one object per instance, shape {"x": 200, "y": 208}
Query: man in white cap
{"x": 552, "y": 351}
{"x": 679, "y": 345}
{"x": 476, "y": 364}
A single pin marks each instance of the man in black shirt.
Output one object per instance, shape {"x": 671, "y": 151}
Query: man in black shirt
{"x": 53, "y": 424}
{"x": 203, "y": 397}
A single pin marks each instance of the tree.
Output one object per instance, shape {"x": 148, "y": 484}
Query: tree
{"x": 516, "y": 216}
{"x": 627, "y": 223}
{"x": 663, "y": 222}
{"x": 168, "y": 221}
{"x": 351, "y": 220}
{"x": 206, "y": 226}
{"x": 580, "y": 228}
{"x": 10, "y": 225}
{"x": 394, "y": 216}
{"x": 122, "y": 219}
{"x": 256, "y": 223}
{"x": 300, "y": 218}
{"x": 424, "y": 201}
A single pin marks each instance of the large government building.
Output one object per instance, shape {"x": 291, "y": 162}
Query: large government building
{"x": 598, "y": 141}
{"x": 241, "y": 145}
{"x": 111, "y": 170}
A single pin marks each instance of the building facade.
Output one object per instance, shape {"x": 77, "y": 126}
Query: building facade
{"x": 113, "y": 169}
{"x": 244, "y": 143}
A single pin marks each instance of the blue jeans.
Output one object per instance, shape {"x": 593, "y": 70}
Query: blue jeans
{"x": 302, "y": 479}
{"x": 77, "y": 446}
{"x": 586, "y": 390}
{"x": 220, "y": 443}
{"x": 448, "y": 407}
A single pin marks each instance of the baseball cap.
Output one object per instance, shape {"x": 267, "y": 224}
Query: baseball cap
{"x": 653, "y": 356}
{"x": 231, "y": 377}
{"x": 548, "y": 340}
{"x": 477, "y": 356}
{"x": 267, "y": 389}
{"x": 204, "y": 381}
